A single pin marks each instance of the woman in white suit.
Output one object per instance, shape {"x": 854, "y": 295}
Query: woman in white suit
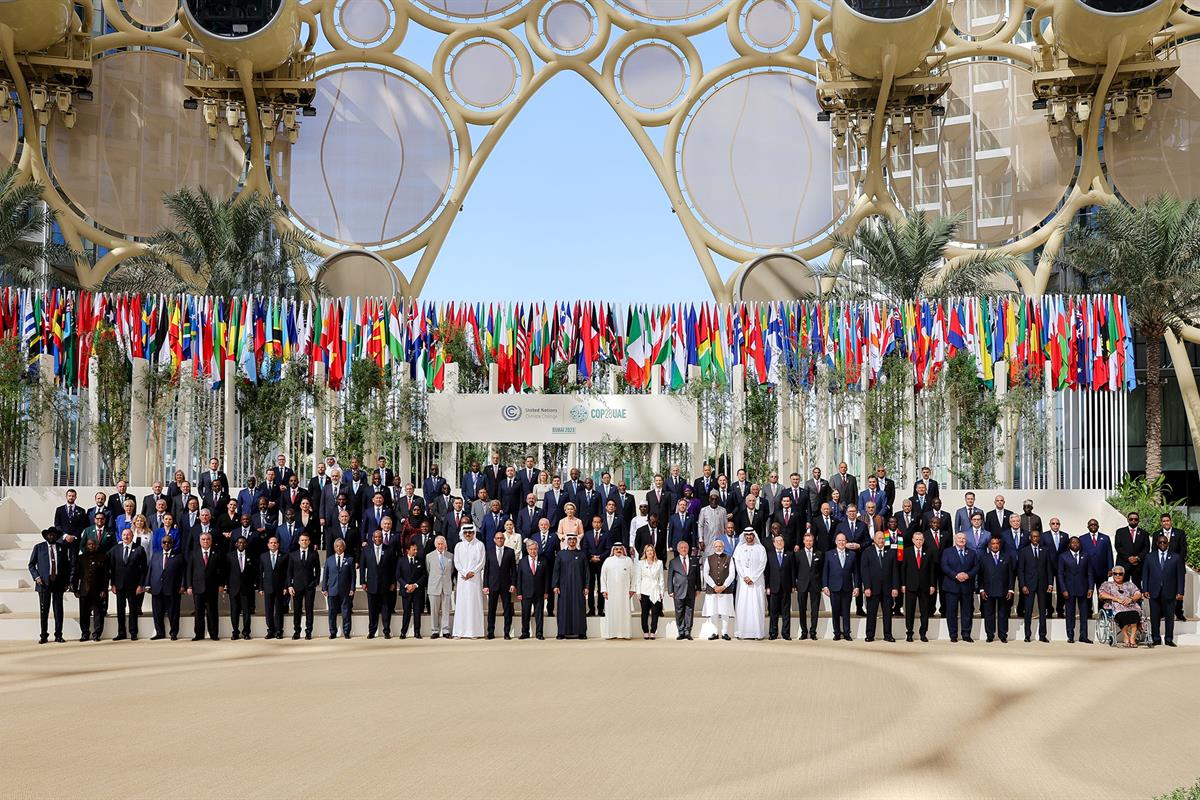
{"x": 650, "y": 588}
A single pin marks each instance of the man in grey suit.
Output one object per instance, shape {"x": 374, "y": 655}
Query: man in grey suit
{"x": 845, "y": 483}
{"x": 439, "y": 565}
{"x": 683, "y": 581}
{"x": 326, "y": 504}
{"x": 818, "y": 489}
{"x": 772, "y": 490}
{"x": 337, "y": 585}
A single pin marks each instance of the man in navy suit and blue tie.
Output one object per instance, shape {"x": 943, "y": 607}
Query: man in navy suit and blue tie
{"x": 1098, "y": 547}
{"x": 596, "y": 547}
{"x": 164, "y": 582}
{"x": 337, "y": 585}
{"x": 1075, "y": 586}
{"x": 840, "y": 579}
{"x": 996, "y": 570}
{"x": 960, "y": 565}
{"x": 1163, "y": 581}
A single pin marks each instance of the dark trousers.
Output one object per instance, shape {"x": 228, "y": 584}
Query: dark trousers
{"x": 779, "y": 607}
{"x": 959, "y": 610}
{"x": 303, "y": 602}
{"x": 595, "y": 599}
{"x": 131, "y": 601}
{"x": 413, "y": 603}
{"x": 1162, "y": 609}
{"x": 91, "y": 615}
{"x": 1092, "y": 606}
{"x": 274, "y": 604}
{"x": 532, "y": 605}
{"x": 165, "y": 610}
{"x": 874, "y": 602}
{"x": 995, "y": 615}
{"x": 1057, "y": 603}
{"x": 241, "y": 606}
{"x": 1042, "y": 601}
{"x": 810, "y": 608}
{"x": 1018, "y": 601}
{"x": 549, "y": 595}
{"x": 650, "y": 614}
{"x": 914, "y": 601}
{"x": 1076, "y": 608}
{"x": 377, "y": 609}
{"x": 839, "y": 604}
{"x": 205, "y": 612}
{"x": 504, "y": 598}
{"x": 685, "y": 609}
{"x": 339, "y": 605}
{"x": 47, "y": 599}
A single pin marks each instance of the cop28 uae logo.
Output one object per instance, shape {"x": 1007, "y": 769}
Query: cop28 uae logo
{"x": 510, "y": 412}
{"x": 579, "y": 413}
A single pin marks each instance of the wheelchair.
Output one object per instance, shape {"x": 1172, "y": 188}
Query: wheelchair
{"x": 1107, "y": 632}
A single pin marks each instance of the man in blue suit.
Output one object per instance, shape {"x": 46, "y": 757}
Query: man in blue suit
{"x": 50, "y": 567}
{"x": 164, "y": 581}
{"x": 494, "y": 520}
{"x": 996, "y": 570}
{"x": 527, "y": 518}
{"x": 471, "y": 483}
{"x": 432, "y": 487}
{"x": 248, "y": 498}
{"x": 1098, "y": 548}
{"x": 839, "y": 577}
{"x": 337, "y": 585}
{"x": 681, "y": 527}
{"x": 1035, "y": 577}
{"x": 960, "y": 565}
{"x": 1162, "y": 580}
{"x": 1075, "y": 587}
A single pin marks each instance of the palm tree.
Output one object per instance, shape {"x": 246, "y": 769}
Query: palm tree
{"x": 24, "y": 253}
{"x": 1151, "y": 255}
{"x": 220, "y": 247}
{"x": 907, "y": 261}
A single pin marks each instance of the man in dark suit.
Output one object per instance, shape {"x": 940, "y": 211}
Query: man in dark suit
{"x": 526, "y": 520}
{"x": 337, "y": 587}
{"x": 411, "y": 579}
{"x": 1133, "y": 545}
{"x": 472, "y": 481}
{"x": 527, "y": 475}
{"x": 612, "y": 523}
{"x": 116, "y": 500}
{"x": 90, "y": 583}
{"x": 921, "y": 502}
{"x": 1164, "y": 577}
{"x": 71, "y": 520}
{"x": 272, "y": 585}
{"x": 386, "y": 476}
{"x": 809, "y": 566}
{"x": 493, "y": 474}
{"x": 818, "y": 489}
{"x": 996, "y": 520}
{"x": 932, "y": 490}
{"x": 316, "y": 484}
{"x": 1014, "y": 541}
{"x": 824, "y": 526}
{"x": 840, "y": 582}
{"x": 213, "y": 474}
{"x": 241, "y": 578}
{"x": 960, "y": 565}
{"x": 877, "y": 576}
{"x": 907, "y": 520}
{"x": 996, "y": 575}
{"x": 845, "y": 483}
{"x": 1075, "y": 586}
{"x": 531, "y": 589}
{"x": 660, "y": 503}
{"x": 915, "y": 579}
{"x": 290, "y": 497}
{"x": 500, "y": 583}
{"x": 303, "y": 575}
{"x": 780, "y": 577}
{"x": 887, "y": 486}
{"x": 791, "y": 524}
{"x": 1098, "y": 547}
{"x": 127, "y": 571}
{"x": 596, "y": 548}
{"x": 876, "y": 495}
{"x": 1176, "y": 543}
{"x": 377, "y": 577}
{"x": 650, "y": 534}
{"x": 587, "y": 500}
{"x": 432, "y": 485}
{"x": 164, "y": 582}
{"x": 681, "y": 527}
{"x": 627, "y": 506}
{"x": 149, "y": 502}
{"x": 700, "y": 487}
{"x": 945, "y": 521}
{"x": 282, "y": 470}
{"x": 248, "y": 497}
{"x": 1055, "y": 540}
{"x": 50, "y": 566}
{"x": 683, "y": 582}
{"x": 373, "y": 516}
{"x": 752, "y": 514}
{"x": 1036, "y": 568}
{"x": 547, "y": 543}
{"x": 203, "y": 581}
{"x": 215, "y": 497}
{"x": 798, "y": 496}
{"x": 937, "y": 539}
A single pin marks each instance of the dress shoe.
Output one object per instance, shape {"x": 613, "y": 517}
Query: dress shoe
{"x": 174, "y": 637}
{"x": 387, "y": 634}
{"x": 418, "y": 636}
{"x": 235, "y": 636}
{"x": 908, "y": 637}
{"x": 333, "y": 636}
{"x": 1070, "y": 640}
{"x": 848, "y": 638}
{"x": 1027, "y": 639}
{"x": 924, "y": 638}
{"x": 680, "y": 637}
{"x": 58, "y": 638}
{"x": 197, "y": 638}
{"x": 860, "y": 613}
{"x": 954, "y": 638}
{"x": 95, "y": 637}
{"x": 1003, "y": 640}
{"x": 991, "y": 638}
{"x": 582, "y": 636}
{"x": 523, "y": 636}
{"x": 869, "y": 639}
{"x": 43, "y": 639}
{"x": 156, "y": 637}
{"x": 133, "y": 637}
{"x": 404, "y": 636}
{"x": 560, "y": 636}
{"x": 246, "y": 636}
{"x": 591, "y": 613}
{"x": 540, "y": 637}
{"x": 837, "y": 637}
{"x": 1085, "y": 641}
{"x": 346, "y": 636}
{"x": 434, "y": 635}
{"x": 803, "y": 635}
{"x": 308, "y": 636}
{"x": 889, "y": 639}
{"x": 295, "y": 636}
{"x": 968, "y": 639}
{"x": 120, "y": 637}
{"x": 507, "y": 636}
{"x": 713, "y": 637}
{"x": 726, "y": 637}
{"x": 490, "y": 636}
{"x": 785, "y": 638}
{"x": 1044, "y": 639}
{"x": 1171, "y": 643}
{"x": 215, "y": 638}
{"x": 772, "y": 637}
{"x": 371, "y": 635}
{"x": 85, "y": 637}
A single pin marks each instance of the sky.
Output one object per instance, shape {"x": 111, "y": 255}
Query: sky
{"x": 538, "y": 222}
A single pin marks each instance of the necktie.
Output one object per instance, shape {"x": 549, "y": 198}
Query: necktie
{"x": 126, "y": 554}
{"x": 1162, "y": 557}
{"x": 339, "y": 562}
{"x": 441, "y": 562}
{"x": 241, "y": 562}
{"x": 842, "y": 558}
{"x": 1077, "y": 559}
{"x": 996, "y": 556}
{"x": 533, "y": 565}
{"x": 787, "y": 515}
{"x": 378, "y": 554}
{"x": 412, "y": 561}
{"x": 1094, "y": 540}
{"x": 303, "y": 554}
{"x": 206, "y": 558}
{"x": 918, "y": 559}
{"x": 272, "y": 561}
{"x": 1035, "y": 553}
{"x": 779, "y": 556}
{"x": 53, "y": 563}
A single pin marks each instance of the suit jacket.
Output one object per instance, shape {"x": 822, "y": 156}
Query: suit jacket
{"x": 615, "y": 529}
{"x": 105, "y": 540}
{"x": 791, "y": 528}
{"x": 511, "y": 497}
{"x": 921, "y": 505}
{"x": 646, "y": 535}
{"x": 932, "y": 489}
{"x": 439, "y": 575}
{"x": 492, "y": 475}
{"x": 431, "y": 487}
{"x": 596, "y": 545}
{"x": 660, "y": 504}
{"x": 501, "y": 574}
{"x": 847, "y": 486}
{"x": 875, "y": 574}
{"x": 1012, "y": 547}
{"x": 492, "y": 523}
{"x": 962, "y": 518}
{"x": 238, "y": 580}
{"x": 1100, "y": 555}
{"x": 1129, "y": 545}
{"x": 882, "y": 507}
{"x": 164, "y": 573}
{"x": 780, "y": 577}
{"x": 526, "y": 520}
{"x": 838, "y": 577}
{"x": 1163, "y": 581}
{"x": 127, "y": 574}
{"x": 996, "y": 578}
{"x": 996, "y": 523}
{"x": 681, "y": 531}
{"x": 552, "y": 506}
{"x": 272, "y": 580}
{"x": 682, "y": 584}
{"x": 149, "y": 503}
{"x": 855, "y": 532}
{"x": 206, "y": 480}
{"x": 286, "y": 500}
{"x": 116, "y": 504}
{"x": 305, "y": 574}
{"x": 39, "y": 566}
{"x": 338, "y": 582}
{"x": 771, "y": 492}
{"x": 824, "y": 533}
{"x": 470, "y": 485}
{"x": 530, "y": 583}
{"x": 952, "y": 564}
{"x": 700, "y": 488}
{"x": 1075, "y": 575}
{"x": 626, "y": 506}
{"x": 913, "y": 577}
{"x": 945, "y": 521}
{"x": 760, "y": 520}
{"x": 607, "y": 492}
{"x": 587, "y": 505}
{"x": 819, "y": 492}
{"x": 201, "y": 578}
{"x": 413, "y": 572}
{"x": 376, "y": 574}
{"x": 73, "y": 522}
{"x": 316, "y": 485}
{"x": 1036, "y": 574}
{"x": 283, "y": 475}
{"x": 369, "y": 524}
{"x": 214, "y": 501}
{"x": 809, "y": 575}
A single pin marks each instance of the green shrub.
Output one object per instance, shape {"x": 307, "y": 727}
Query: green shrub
{"x": 1149, "y": 500}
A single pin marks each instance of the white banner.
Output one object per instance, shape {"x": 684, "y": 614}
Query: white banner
{"x": 561, "y": 418}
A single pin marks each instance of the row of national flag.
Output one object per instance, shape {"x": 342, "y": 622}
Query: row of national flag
{"x": 1081, "y": 341}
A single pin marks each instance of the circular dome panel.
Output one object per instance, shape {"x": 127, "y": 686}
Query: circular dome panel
{"x": 978, "y": 17}
{"x": 151, "y": 13}
{"x": 483, "y": 73}
{"x": 365, "y": 22}
{"x": 992, "y": 159}
{"x": 568, "y": 26}
{"x": 770, "y": 25}
{"x": 374, "y": 165}
{"x": 233, "y": 20}
{"x": 669, "y": 10}
{"x": 652, "y": 75}
{"x": 1165, "y": 155}
{"x": 358, "y": 273}
{"x": 755, "y": 163}
{"x": 135, "y": 142}
{"x": 471, "y": 9}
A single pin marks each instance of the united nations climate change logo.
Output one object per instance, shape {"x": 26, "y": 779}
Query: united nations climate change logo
{"x": 510, "y": 412}
{"x": 579, "y": 413}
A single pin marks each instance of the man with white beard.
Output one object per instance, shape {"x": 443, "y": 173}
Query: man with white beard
{"x": 719, "y": 573}
{"x": 750, "y": 561}
{"x": 616, "y": 584}
{"x": 469, "y": 557}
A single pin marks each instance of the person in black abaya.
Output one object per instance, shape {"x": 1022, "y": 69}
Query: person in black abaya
{"x": 570, "y": 582}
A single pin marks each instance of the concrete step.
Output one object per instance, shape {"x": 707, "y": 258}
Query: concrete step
{"x": 11, "y": 580}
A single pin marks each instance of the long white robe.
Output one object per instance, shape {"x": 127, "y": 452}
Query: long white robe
{"x": 616, "y": 578}
{"x": 751, "y": 606}
{"x": 468, "y": 596}
{"x": 718, "y": 604}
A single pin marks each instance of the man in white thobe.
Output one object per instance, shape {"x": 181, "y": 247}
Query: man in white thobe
{"x": 718, "y": 573}
{"x": 469, "y": 557}
{"x": 616, "y": 584}
{"x": 750, "y": 561}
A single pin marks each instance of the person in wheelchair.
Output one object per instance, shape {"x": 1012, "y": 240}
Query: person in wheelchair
{"x": 1123, "y": 599}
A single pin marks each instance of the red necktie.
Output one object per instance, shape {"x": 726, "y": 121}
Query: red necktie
{"x": 533, "y": 566}
{"x": 206, "y": 559}
{"x": 918, "y": 559}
